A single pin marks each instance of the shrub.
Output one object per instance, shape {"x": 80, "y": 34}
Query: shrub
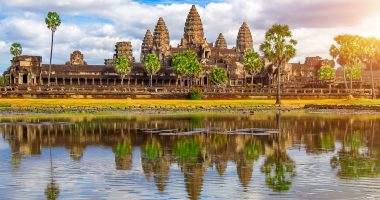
{"x": 195, "y": 94}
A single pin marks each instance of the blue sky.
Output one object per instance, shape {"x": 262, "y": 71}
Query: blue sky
{"x": 94, "y": 26}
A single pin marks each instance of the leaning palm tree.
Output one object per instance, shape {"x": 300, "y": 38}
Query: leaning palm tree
{"x": 16, "y": 49}
{"x": 152, "y": 65}
{"x": 279, "y": 48}
{"x": 252, "y": 63}
{"x": 52, "y": 21}
{"x": 122, "y": 66}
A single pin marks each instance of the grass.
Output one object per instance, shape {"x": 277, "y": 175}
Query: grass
{"x": 122, "y": 103}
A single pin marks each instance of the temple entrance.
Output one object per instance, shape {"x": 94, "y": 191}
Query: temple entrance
{"x": 25, "y": 78}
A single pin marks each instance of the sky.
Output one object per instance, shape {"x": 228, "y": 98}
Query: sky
{"x": 94, "y": 26}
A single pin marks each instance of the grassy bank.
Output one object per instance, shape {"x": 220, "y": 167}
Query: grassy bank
{"x": 126, "y": 103}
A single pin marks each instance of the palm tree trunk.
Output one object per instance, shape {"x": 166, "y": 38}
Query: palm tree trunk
{"x": 278, "y": 97}
{"x": 51, "y": 55}
{"x": 344, "y": 77}
{"x": 151, "y": 81}
{"x": 372, "y": 83}
{"x": 351, "y": 82}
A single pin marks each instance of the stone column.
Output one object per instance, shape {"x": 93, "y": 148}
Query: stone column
{"x": 71, "y": 81}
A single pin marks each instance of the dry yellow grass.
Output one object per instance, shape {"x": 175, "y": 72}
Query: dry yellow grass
{"x": 122, "y": 103}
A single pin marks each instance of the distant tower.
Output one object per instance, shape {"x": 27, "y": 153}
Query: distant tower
{"x": 244, "y": 40}
{"x": 76, "y": 58}
{"x": 221, "y": 42}
{"x": 147, "y": 45}
{"x": 161, "y": 40}
{"x": 193, "y": 31}
{"x": 124, "y": 49}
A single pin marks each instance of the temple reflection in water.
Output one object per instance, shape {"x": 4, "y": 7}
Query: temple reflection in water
{"x": 350, "y": 139}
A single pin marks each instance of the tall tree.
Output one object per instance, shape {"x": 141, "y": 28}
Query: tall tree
{"x": 152, "y": 65}
{"x": 123, "y": 67}
{"x": 279, "y": 48}
{"x": 252, "y": 63}
{"x": 347, "y": 53}
{"x": 16, "y": 49}
{"x": 186, "y": 63}
{"x": 52, "y": 21}
{"x": 369, "y": 49}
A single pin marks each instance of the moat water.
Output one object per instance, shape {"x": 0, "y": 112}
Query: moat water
{"x": 191, "y": 156}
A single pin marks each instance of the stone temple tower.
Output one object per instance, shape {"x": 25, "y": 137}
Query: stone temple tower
{"x": 161, "y": 40}
{"x": 193, "y": 31}
{"x": 221, "y": 42}
{"x": 244, "y": 40}
{"x": 124, "y": 49}
{"x": 147, "y": 45}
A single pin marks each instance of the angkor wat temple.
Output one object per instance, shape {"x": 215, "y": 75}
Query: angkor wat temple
{"x": 28, "y": 74}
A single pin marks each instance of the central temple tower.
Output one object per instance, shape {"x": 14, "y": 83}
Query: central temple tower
{"x": 193, "y": 31}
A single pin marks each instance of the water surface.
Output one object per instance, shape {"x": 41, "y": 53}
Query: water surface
{"x": 194, "y": 156}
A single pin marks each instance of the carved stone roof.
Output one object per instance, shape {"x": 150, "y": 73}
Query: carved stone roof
{"x": 244, "y": 40}
{"x": 193, "y": 31}
{"x": 221, "y": 42}
{"x": 161, "y": 40}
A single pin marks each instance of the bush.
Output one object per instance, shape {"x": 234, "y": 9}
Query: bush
{"x": 195, "y": 94}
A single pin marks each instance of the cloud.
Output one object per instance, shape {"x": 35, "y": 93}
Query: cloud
{"x": 94, "y": 26}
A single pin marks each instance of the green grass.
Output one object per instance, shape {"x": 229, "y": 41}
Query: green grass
{"x": 122, "y": 103}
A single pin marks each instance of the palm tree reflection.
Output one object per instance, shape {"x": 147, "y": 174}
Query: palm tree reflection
{"x": 52, "y": 189}
{"x": 355, "y": 160}
{"x": 278, "y": 167}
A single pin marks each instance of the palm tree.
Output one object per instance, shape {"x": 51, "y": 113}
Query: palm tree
{"x": 52, "y": 21}
{"x": 347, "y": 52}
{"x": 16, "y": 49}
{"x": 369, "y": 50}
{"x": 279, "y": 48}
{"x": 123, "y": 66}
{"x": 252, "y": 63}
{"x": 152, "y": 65}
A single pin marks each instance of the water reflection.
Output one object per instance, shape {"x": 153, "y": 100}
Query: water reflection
{"x": 351, "y": 140}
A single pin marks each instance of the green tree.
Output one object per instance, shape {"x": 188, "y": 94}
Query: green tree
{"x": 186, "y": 63}
{"x": 252, "y": 63}
{"x": 152, "y": 65}
{"x": 218, "y": 75}
{"x": 355, "y": 72}
{"x": 369, "y": 49}
{"x": 326, "y": 72}
{"x": 52, "y": 21}
{"x": 122, "y": 66}
{"x": 16, "y": 49}
{"x": 279, "y": 48}
{"x": 347, "y": 52}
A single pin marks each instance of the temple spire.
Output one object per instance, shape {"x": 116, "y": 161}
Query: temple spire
{"x": 161, "y": 40}
{"x": 147, "y": 45}
{"x": 244, "y": 40}
{"x": 221, "y": 42}
{"x": 193, "y": 31}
